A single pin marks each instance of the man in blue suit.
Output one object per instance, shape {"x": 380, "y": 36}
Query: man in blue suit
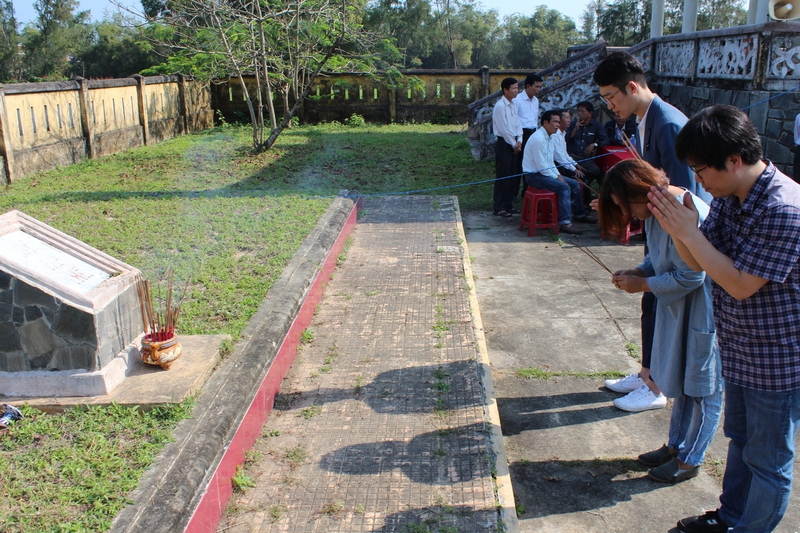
{"x": 623, "y": 87}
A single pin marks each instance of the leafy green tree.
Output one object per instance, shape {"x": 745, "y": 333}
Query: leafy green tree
{"x": 9, "y": 39}
{"x": 280, "y": 44}
{"x": 625, "y": 22}
{"x": 57, "y": 36}
{"x": 410, "y": 25}
{"x": 118, "y": 50}
{"x": 541, "y": 40}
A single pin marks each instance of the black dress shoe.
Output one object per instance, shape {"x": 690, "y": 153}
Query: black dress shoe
{"x": 503, "y": 214}
{"x": 570, "y": 228}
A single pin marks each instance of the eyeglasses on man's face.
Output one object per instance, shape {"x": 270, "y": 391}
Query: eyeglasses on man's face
{"x": 608, "y": 98}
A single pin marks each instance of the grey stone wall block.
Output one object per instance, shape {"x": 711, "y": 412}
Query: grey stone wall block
{"x": 72, "y": 357}
{"x": 773, "y": 128}
{"x": 758, "y": 113}
{"x": 18, "y": 316}
{"x": 9, "y": 337}
{"x": 784, "y": 101}
{"x": 5, "y": 280}
{"x": 37, "y": 339}
{"x": 13, "y": 362}
{"x": 6, "y": 296}
{"x": 25, "y": 294}
{"x": 701, "y": 93}
{"x": 777, "y": 153}
{"x": 6, "y": 312}
{"x": 75, "y": 325}
{"x": 32, "y": 312}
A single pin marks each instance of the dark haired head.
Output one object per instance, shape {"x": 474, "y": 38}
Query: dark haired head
{"x": 627, "y": 181}
{"x": 587, "y": 106}
{"x": 716, "y": 133}
{"x": 507, "y": 83}
{"x": 548, "y": 115}
{"x": 617, "y": 69}
{"x": 530, "y": 79}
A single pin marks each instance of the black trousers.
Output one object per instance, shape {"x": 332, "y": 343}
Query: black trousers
{"x": 506, "y": 163}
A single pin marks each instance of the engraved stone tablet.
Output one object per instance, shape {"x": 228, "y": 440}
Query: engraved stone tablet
{"x": 65, "y": 307}
{"x": 50, "y": 263}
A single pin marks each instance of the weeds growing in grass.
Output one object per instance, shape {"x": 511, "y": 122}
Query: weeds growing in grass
{"x": 77, "y": 467}
{"x": 544, "y": 374}
{"x": 241, "y": 481}
{"x": 311, "y": 411}
{"x": 632, "y": 349}
{"x": 295, "y": 456}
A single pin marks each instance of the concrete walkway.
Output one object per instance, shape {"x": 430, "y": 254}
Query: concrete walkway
{"x": 381, "y": 424}
{"x": 546, "y": 305}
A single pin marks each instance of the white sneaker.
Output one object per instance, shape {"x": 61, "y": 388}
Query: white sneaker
{"x": 626, "y": 384}
{"x": 641, "y": 399}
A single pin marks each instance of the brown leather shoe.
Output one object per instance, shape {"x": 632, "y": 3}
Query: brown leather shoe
{"x": 570, "y": 228}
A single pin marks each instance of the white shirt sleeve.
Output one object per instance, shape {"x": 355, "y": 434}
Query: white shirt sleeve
{"x": 503, "y": 122}
{"x": 560, "y": 154}
{"x": 538, "y": 155}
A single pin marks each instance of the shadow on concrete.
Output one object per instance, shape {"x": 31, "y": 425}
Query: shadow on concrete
{"x": 438, "y": 518}
{"x": 447, "y": 386}
{"x": 563, "y": 487}
{"x": 439, "y": 457}
{"x": 559, "y": 410}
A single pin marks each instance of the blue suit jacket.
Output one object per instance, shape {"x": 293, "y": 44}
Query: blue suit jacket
{"x": 663, "y": 122}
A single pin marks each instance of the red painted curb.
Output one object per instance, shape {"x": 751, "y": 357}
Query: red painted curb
{"x": 209, "y": 511}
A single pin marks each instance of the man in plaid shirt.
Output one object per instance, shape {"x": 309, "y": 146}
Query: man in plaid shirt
{"x": 749, "y": 245}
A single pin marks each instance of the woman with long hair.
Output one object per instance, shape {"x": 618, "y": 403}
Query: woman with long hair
{"x": 685, "y": 359}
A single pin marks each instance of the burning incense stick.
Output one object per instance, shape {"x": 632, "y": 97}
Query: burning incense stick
{"x": 591, "y": 254}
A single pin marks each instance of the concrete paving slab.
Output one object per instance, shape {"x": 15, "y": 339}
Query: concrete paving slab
{"x": 148, "y": 386}
{"x": 381, "y": 425}
{"x": 571, "y": 454}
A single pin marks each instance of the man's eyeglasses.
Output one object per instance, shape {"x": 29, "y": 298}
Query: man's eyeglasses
{"x": 698, "y": 170}
{"x": 607, "y": 99}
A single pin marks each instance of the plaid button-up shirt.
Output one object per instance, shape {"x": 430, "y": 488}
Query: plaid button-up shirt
{"x": 759, "y": 336}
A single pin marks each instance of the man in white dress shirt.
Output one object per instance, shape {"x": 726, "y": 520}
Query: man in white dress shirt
{"x": 528, "y": 106}
{"x": 528, "y": 110}
{"x": 507, "y": 149}
{"x": 540, "y": 173}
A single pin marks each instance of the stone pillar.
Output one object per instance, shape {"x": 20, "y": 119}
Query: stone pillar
{"x": 657, "y": 19}
{"x": 484, "y": 71}
{"x": 5, "y": 142}
{"x": 142, "y": 107}
{"x": 86, "y": 116}
{"x": 752, "y": 8}
{"x": 183, "y": 102}
{"x": 762, "y": 12}
{"x": 689, "y": 16}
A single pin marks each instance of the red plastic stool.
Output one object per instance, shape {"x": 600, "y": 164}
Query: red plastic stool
{"x": 539, "y": 211}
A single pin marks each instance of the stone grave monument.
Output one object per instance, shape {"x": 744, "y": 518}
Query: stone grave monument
{"x": 69, "y": 314}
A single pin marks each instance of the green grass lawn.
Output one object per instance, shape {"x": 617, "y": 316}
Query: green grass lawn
{"x": 227, "y": 221}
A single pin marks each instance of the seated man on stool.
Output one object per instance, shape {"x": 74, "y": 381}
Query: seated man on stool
{"x": 584, "y": 136}
{"x": 618, "y": 126}
{"x": 540, "y": 173}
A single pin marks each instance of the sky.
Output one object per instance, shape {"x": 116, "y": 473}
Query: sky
{"x": 23, "y": 9}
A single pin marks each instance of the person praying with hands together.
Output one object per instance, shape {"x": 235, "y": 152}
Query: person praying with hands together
{"x": 685, "y": 358}
{"x": 749, "y": 245}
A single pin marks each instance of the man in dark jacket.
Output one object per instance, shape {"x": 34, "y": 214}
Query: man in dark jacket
{"x": 584, "y": 136}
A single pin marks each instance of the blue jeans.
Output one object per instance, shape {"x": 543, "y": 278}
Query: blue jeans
{"x": 568, "y": 194}
{"x": 693, "y": 424}
{"x": 762, "y": 426}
